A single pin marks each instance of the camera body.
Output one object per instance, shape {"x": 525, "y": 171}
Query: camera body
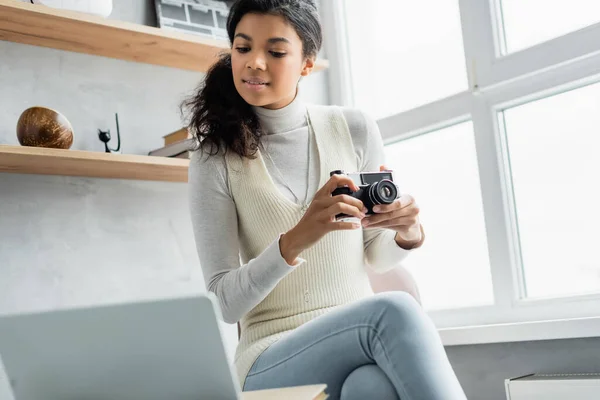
{"x": 375, "y": 188}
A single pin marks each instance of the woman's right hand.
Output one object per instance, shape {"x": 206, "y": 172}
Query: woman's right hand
{"x": 319, "y": 218}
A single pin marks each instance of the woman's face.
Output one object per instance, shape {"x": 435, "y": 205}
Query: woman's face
{"x": 267, "y": 61}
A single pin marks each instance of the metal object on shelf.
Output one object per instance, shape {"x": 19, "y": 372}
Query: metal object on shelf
{"x": 200, "y": 17}
{"x": 105, "y": 137}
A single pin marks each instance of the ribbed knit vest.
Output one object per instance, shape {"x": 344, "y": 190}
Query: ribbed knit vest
{"x": 334, "y": 272}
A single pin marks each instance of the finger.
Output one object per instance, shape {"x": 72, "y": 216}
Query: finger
{"x": 394, "y": 222}
{"x": 344, "y": 225}
{"x": 388, "y": 208}
{"x": 344, "y": 198}
{"x": 410, "y": 211}
{"x": 343, "y": 208}
{"x": 383, "y": 168}
{"x": 404, "y": 201}
{"x": 334, "y": 182}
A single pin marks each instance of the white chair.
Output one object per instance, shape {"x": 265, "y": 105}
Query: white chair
{"x": 398, "y": 279}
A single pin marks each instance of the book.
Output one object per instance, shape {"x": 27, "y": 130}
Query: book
{"x": 582, "y": 386}
{"x": 311, "y": 392}
{"x": 175, "y": 149}
{"x": 185, "y": 155}
{"x": 177, "y": 136}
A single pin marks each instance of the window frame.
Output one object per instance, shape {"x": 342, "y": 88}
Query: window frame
{"x": 496, "y": 81}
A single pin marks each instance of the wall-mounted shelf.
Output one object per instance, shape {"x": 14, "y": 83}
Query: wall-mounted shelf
{"x": 39, "y": 160}
{"x": 72, "y": 31}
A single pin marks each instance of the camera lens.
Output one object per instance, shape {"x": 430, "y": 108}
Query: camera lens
{"x": 383, "y": 192}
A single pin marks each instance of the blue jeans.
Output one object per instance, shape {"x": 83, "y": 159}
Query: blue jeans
{"x": 382, "y": 347}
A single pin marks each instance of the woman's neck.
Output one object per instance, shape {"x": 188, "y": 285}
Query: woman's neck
{"x": 285, "y": 119}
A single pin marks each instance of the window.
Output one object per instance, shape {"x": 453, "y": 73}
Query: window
{"x": 527, "y": 23}
{"x": 404, "y": 55}
{"x": 440, "y": 170}
{"x": 505, "y": 167}
{"x": 554, "y": 150}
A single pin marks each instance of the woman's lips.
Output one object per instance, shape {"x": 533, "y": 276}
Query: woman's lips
{"x": 255, "y": 84}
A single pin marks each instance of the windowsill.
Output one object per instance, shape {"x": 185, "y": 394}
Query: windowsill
{"x": 522, "y": 331}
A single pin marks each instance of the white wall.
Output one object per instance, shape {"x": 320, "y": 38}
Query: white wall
{"x": 69, "y": 241}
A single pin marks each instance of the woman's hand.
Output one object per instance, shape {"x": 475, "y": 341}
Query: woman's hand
{"x": 401, "y": 216}
{"x": 319, "y": 218}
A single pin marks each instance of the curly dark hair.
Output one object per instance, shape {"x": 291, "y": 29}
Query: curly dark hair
{"x": 218, "y": 116}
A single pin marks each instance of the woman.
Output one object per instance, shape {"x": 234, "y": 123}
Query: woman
{"x": 260, "y": 189}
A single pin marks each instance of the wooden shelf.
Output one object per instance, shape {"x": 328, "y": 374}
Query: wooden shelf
{"x": 39, "y": 160}
{"x": 79, "y": 32}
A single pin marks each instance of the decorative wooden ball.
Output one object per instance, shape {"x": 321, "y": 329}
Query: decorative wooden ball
{"x": 44, "y": 127}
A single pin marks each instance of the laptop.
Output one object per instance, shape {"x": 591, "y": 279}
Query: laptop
{"x": 165, "y": 349}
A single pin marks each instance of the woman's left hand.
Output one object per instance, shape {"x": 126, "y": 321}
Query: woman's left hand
{"x": 401, "y": 216}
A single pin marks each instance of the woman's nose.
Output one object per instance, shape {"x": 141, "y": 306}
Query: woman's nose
{"x": 257, "y": 62}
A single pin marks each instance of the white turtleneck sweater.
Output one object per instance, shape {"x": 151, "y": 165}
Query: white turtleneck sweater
{"x": 240, "y": 288}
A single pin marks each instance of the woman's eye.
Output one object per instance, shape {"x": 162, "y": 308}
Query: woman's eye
{"x": 242, "y": 49}
{"x": 277, "y": 54}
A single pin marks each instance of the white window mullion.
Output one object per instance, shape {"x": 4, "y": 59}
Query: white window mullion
{"x": 548, "y": 55}
{"x": 430, "y": 117}
{"x": 479, "y": 39}
{"x": 497, "y": 205}
{"x": 548, "y": 82}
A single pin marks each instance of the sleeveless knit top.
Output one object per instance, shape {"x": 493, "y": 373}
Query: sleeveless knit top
{"x": 333, "y": 273}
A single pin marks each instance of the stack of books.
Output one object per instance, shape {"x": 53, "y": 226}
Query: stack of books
{"x": 177, "y": 144}
{"x": 311, "y": 392}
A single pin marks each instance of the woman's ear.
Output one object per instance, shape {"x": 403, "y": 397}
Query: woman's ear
{"x": 309, "y": 64}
